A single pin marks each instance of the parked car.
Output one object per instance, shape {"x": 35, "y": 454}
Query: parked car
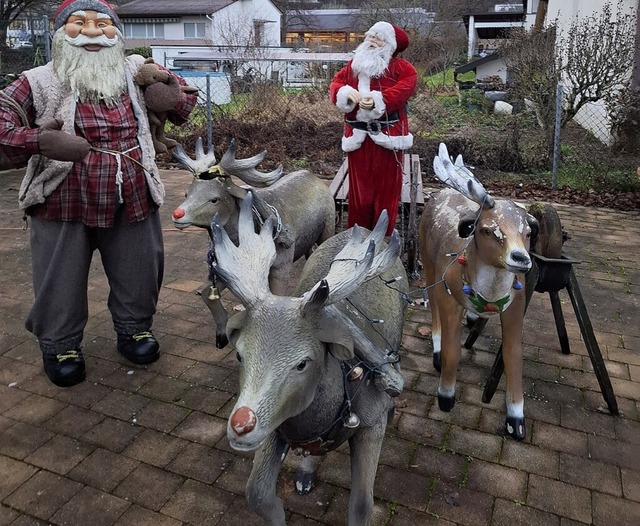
{"x": 22, "y": 43}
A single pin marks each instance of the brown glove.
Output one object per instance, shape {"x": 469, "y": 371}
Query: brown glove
{"x": 161, "y": 96}
{"x": 61, "y": 146}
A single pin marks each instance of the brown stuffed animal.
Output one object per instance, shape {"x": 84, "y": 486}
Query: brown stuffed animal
{"x": 148, "y": 74}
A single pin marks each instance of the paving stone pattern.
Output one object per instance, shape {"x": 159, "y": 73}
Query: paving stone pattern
{"x": 135, "y": 446}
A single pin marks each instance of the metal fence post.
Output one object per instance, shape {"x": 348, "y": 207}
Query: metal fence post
{"x": 556, "y": 137}
{"x": 209, "y": 123}
{"x": 46, "y": 35}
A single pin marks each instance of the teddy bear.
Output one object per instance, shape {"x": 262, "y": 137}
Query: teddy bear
{"x": 149, "y": 73}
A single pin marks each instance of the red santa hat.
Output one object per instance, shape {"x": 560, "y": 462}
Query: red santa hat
{"x": 392, "y": 35}
{"x": 71, "y": 6}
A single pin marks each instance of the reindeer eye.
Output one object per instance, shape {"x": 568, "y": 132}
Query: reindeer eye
{"x": 302, "y": 365}
{"x": 186, "y": 195}
{"x": 214, "y": 200}
{"x": 238, "y": 357}
{"x": 485, "y": 232}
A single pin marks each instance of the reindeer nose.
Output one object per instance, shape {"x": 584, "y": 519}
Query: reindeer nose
{"x": 178, "y": 213}
{"x": 243, "y": 421}
{"x": 521, "y": 257}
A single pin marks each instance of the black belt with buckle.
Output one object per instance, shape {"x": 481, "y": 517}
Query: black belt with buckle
{"x": 375, "y": 126}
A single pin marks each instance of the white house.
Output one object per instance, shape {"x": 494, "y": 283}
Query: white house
{"x": 488, "y": 22}
{"x": 174, "y": 27}
{"x": 592, "y": 116}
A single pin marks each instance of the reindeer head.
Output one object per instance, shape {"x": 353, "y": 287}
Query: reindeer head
{"x": 281, "y": 341}
{"x": 503, "y": 231}
{"x": 213, "y": 190}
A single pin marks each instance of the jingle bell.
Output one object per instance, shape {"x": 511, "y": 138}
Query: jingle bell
{"x": 356, "y": 373}
{"x": 352, "y": 421}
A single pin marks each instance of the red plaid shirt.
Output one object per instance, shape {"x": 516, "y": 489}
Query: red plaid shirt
{"x": 89, "y": 192}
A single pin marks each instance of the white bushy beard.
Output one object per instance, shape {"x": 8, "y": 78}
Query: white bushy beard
{"x": 92, "y": 77}
{"x": 371, "y": 59}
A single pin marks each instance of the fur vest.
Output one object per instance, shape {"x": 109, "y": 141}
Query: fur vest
{"x": 51, "y": 101}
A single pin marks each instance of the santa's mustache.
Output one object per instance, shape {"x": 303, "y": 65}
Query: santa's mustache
{"x": 83, "y": 40}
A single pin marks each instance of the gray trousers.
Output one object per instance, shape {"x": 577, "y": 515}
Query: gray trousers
{"x": 133, "y": 259}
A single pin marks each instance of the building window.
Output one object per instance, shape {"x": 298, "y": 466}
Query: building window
{"x": 258, "y": 31}
{"x": 194, "y": 30}
{"x": 146, "y": 30}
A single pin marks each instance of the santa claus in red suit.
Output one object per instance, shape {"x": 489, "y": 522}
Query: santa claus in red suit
{"x": 372, "y": 90}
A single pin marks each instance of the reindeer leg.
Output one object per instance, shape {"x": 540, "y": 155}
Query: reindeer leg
{"x": 436, "y": 329}
{"x": 261, "y": 486}
{"x": 220, "y": 316}
{"x": 306, "y": 474}
{"x": 364, "y": 448}
{"x": 451, "y": 329}
{"x": 512, "y": 322}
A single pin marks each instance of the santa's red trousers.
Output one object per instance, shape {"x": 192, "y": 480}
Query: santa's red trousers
{"x": 375, "y": 183}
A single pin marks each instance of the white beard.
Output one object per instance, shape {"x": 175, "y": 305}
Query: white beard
{"x": 92, "y": 77}
{"x": 371, "y": 60}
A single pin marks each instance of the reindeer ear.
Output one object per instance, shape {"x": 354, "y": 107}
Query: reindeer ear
{"x": 535, "y": 229}
{"x": 236, "y": 191}
{"x": 331, "y": 330}
{"x": 466, "y": 227}
{"x": 318, "y": 296}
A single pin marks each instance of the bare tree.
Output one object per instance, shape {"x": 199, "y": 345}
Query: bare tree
{"x": 535, "y": 71}
{"x": 593, "y": 59}
{"x": 597, "y": 57}
{"x": 12, "y": 10}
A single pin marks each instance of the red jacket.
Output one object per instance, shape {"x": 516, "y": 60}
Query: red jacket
{"x": 390, "y": 94}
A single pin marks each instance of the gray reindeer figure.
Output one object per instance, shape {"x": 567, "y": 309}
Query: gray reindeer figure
{"x": 301, "y": 203}
{"x": 475, "y": 252}
{"x": 302, "y": 386}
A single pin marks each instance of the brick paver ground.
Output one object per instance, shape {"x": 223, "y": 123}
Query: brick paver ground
{"x": 135, "y": 446}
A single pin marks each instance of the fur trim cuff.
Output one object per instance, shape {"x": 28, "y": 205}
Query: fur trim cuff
{"x": 351, "y": 144}
{"x": 342, "y": 102}
{"x": 378, "y": 110}
{"x": 397, "y": 142}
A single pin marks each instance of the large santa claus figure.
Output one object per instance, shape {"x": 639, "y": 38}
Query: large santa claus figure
{"x": 91, "y": 184}
{"x": 372, "y": 90}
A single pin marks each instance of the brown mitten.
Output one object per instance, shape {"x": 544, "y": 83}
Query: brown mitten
{"x": 161, "y": 97}
{"x": 61, "y": 146}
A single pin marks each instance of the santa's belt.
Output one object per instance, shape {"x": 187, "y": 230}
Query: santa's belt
{"x": 375, "y": 126}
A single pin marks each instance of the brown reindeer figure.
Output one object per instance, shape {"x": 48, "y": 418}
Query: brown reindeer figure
{"x": 475, "y": 252}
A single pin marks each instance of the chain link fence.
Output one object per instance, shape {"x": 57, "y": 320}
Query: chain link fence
{"x": 587, "y": 153}
{"x": 300, "y": 128}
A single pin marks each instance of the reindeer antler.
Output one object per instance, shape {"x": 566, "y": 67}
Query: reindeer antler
{"x": 245, "y": 169}
{"x": 459, "y": 177}
{"x": 354, "y": 264}
{"x": 245, "y": 268}
{"x": 201, "y": 164}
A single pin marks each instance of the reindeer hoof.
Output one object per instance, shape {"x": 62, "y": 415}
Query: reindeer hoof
{"x": 515, "y": 427}
{"x": 437, "y": 362}
{"x": 305, "y": 482}
{"x": 221, "y": 341}
{"x": 446, "y": 403}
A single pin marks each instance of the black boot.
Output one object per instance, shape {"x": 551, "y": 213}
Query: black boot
{"x": 66, "y": 368}
{"x": 140, "y": 348}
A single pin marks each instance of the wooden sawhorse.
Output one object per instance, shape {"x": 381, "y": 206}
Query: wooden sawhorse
{"x": 553, "y": 275}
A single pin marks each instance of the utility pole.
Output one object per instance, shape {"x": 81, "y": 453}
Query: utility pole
{"x": 635, "y": 74}
{"x": 541, "y": 14}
